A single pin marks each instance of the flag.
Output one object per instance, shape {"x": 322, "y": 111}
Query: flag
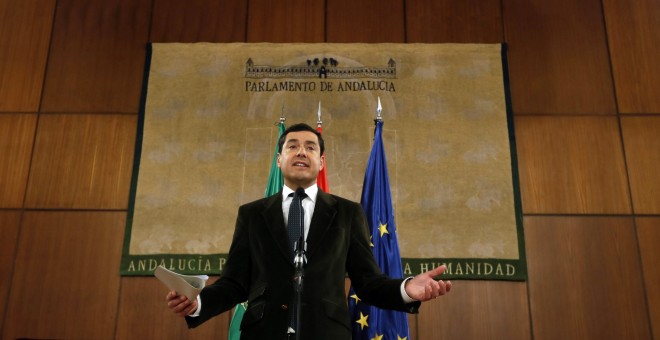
{"x": 322, "y": 180}
{"x": 371, "y": 322}
{"x": 275, "y": 179}
{"x": 274, "y": 185}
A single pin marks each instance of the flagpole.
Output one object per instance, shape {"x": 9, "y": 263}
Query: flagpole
{"x": 322, "y": 179}
{"x": 274, "y": 185}
{"x": 379, "y": 109}
{"x": 371, "y": 322}
{"x": 379, "y": 118}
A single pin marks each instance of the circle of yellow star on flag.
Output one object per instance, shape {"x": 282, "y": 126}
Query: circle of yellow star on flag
{"x": 383, "y": 229}
{"x": 363, "y": 321}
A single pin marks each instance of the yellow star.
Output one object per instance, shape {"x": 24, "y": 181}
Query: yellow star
{"x": 400, "y": 338}
{"x": 371, "y": 241}
{"x": 378, "y": 337}
{"x": 383, "y": 229}
{"x": 357, "y": 299}
{"x": 363, "y": 321}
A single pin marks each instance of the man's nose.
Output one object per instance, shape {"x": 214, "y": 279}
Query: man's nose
{"x": 301, "y": 152}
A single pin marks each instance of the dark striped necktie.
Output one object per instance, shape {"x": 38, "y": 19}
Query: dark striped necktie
{"x": 294, "y": 230}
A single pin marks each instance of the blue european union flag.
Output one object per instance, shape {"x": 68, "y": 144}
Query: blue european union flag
{"x": 371, "y": 322}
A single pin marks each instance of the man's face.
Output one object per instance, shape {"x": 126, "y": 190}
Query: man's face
{"x": 300, "y": 159}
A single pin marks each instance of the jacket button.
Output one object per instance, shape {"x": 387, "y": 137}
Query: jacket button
{"x": 284, "y": 307}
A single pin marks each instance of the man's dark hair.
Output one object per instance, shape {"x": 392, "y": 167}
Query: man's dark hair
{"x": 297, "y": 128}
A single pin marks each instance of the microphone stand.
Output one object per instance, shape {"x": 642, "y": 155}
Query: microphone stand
{"x": 299, "y": 263}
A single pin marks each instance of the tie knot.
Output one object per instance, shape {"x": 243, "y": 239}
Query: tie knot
{"x": 298, "y": 194}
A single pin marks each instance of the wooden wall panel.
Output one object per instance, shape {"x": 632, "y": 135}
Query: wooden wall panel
{"x": 451, "y": 21}
{"x": 364, "y": 21}
{"x": 16, "y": 139}
{"x": 474, "y": 310}
{"x": 585, "y": 273}
{"x": 143, "y": 314}
{"x": 412, "y": 325}
{"x": 648, "y": 233}
{"x": 286, "y": 21}
{"x": 571, "y": 165}
{"x": 634, "y": 42}
{"x": 97, "y": 56}
{"x": 25, "y": 27}
{"x": 199, "y": 21}
{"x": 558, "y": 57}
{"x": 641, "y": 139}
{"x": 585, "y": 279}
{"x": 9, "y": 229}
{"x": 82, "y": 162}
{"x": 66, "y": 283}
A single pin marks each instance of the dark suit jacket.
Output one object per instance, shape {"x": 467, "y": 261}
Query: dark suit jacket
{"x": 259, "y": 269}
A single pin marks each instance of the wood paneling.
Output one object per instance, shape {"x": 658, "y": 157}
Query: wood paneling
{"x": 144, "y": 314}
{"x": 97, "y": 56}
{"x": 474, "y": 310}
{"x": 642, "y": 144}
{"x": 558, "y": 57}
{"x": 9, "y": 228}
{"x": 66, "y": 283}
{"x": 412, "y": 325}
{"x": 25, "y": 27}
{"x": 16, "y": 139}
{"x": 585, "y": 279}
{"x": 648, "y": 233}
{"x": 199, "y": 20}
{"x": 363, "y": 21}
{"x": 571, "y": 165}
{"x": 634, "y": 42}
{"x": 286, "y": 21}
{"x": 451, "y": 21}
{"x": 82, "y": 161}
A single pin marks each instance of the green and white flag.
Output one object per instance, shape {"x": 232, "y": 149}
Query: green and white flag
{"x": 275, "y": 183}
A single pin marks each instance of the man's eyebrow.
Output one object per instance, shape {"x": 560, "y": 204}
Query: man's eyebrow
{"x": 293, "y": 140}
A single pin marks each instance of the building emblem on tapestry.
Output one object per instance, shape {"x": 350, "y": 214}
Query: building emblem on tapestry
{"x": 328, "y": 68}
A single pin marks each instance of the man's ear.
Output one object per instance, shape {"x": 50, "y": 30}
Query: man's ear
{"x": 322, "y": 162}
{"x": 278, "y": 161}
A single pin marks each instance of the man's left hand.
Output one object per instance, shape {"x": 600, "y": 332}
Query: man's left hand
{"x": 424, "y": 287}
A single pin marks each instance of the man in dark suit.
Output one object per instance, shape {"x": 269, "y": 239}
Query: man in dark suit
{"x": 260, "y": 269}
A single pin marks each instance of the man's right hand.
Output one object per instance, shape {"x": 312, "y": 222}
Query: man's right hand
{"x": 179, "y": 304}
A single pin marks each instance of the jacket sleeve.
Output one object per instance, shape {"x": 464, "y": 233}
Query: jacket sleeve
{"x": 369, "y": 282}
{"x": 230, "y": 289}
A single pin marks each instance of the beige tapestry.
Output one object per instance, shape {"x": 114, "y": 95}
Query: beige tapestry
{"x": 208, "y": 132}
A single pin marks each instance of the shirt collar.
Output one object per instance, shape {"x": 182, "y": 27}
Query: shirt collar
{"x": 311, "y": 192}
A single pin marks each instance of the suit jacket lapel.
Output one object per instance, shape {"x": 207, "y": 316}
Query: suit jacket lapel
{"x": 324, "y": 214}
{"x": 272, "y": 214}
